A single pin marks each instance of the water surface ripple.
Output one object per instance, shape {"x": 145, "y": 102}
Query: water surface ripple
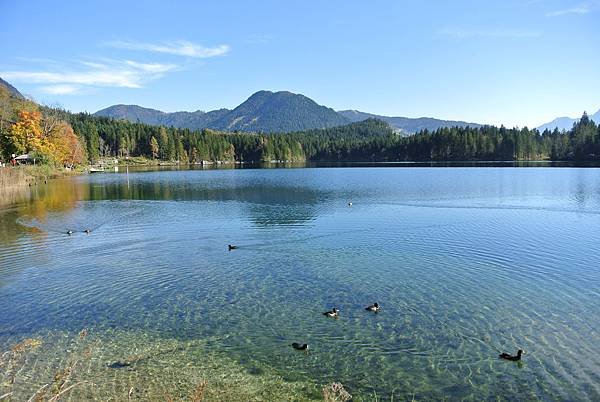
{"x": 466, "y": 262}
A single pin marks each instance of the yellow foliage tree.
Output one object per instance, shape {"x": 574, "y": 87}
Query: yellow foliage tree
{"x": 66, "y": 146}
{"x": 26, "y": 134}
{"x": 58, "y": 143}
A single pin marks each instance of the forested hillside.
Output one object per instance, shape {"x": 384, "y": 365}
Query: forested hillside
{"x": 61, "y": 138}
{"x": 137, "y": 114}
{"x": 370, "y": 140}
{"x": 407, "y": 125}
{"x": 264, "y": 111}
{"x": 271, "y": 112}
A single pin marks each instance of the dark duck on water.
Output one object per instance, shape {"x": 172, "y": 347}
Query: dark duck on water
{"x": 334, "y": 313}
{"x": 510, "y": 357}
{"x": 373, "y": 307}
{"x": 300, "y": 346}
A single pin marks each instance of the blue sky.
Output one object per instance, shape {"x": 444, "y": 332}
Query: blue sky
{"x": 501, "y": 62}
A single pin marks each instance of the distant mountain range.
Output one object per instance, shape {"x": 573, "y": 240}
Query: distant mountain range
{"x": 283, "y": 111}
{"x": 267, "y": 111}
{"x": 407, "y": 124}
{"x": 11, "y": 89}
{"x": 264, "y": 111}
{"x": 134, "y": 113}
{"x": 566, "y": 123}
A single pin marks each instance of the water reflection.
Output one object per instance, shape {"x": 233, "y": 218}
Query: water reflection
{"x": 36, "y": 203}
{"x": 265, "y": 203}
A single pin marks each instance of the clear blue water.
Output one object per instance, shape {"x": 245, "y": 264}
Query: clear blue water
{"x": 465, "y": 262}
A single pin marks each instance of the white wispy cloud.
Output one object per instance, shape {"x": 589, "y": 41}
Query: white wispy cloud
{"x": 61, "y": 89}
{"x": 580, "y": 9}
{"x": 107, "y": 73}
{"x": 179, "y": 48}
{"x": 489, "y": 33}
{"x": 584, "y": 9}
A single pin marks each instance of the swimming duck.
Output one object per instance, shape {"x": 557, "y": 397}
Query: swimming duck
{"x": 373, "y": 307}
{"x": 69, "y": 232}
{"x": 334, "y": 313}
{"x": 231, "y": 247}
{"x": 510, "y": 357}
{"x": 300, "y": 346}
{"x": 349, "y": 204}
{"x": 87, "y": 231}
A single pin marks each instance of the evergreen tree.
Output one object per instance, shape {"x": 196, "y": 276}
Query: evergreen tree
{"x": 154, "y": 149}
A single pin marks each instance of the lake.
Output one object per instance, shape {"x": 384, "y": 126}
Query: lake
{"x": 466, "y": 263}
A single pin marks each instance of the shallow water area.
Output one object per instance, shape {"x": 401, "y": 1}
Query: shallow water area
{"x": 465, "y": 262}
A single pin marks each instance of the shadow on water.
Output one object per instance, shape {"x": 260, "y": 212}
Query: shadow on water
{"x": 263, "y": 205}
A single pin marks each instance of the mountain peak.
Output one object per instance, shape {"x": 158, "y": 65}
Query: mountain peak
{"x": 566, "y": 123}
{"x": 281, "y": 111}
{"x": 12, "y": 90}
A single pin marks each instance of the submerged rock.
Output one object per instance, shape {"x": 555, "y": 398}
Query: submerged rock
{"x": 119, "y": 364}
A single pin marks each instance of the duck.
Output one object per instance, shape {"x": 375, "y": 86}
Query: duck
{"x": 231, "y": 247}
{"x": 300, "y": 346}
{"x": 373, "y": 307}
{"x": 349, "y": 204}
{"x": 334, "y": 313}
{"x": 69, "y": 232}
{"x": 510, "y": 357}
{"x": 88, "y": 231}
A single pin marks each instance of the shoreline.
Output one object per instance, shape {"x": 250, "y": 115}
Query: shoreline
{"x": 20, "y": 176}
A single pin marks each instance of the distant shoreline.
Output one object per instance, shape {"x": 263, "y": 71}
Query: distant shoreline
{"x": 316, "y": 164}
{"x": 31, "y": 175}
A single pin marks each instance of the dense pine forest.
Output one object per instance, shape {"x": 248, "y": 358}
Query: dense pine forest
{"x": 370, "y": 140}
{"x": 62, "y": 138}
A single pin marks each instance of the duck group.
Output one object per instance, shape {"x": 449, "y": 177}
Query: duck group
{"x": 333, "y": 313}
{"x": 375, "y": 308}
{"x": 70, "y": 232}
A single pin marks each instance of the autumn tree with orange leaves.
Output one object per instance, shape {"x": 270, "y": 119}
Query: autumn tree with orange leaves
{"x": 67, "y": 149}
{"x": 53, "y": 142}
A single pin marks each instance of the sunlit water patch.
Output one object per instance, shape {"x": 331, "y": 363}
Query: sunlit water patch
{"x": 466, "y": 263}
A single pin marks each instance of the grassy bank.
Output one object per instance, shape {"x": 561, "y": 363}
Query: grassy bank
{"x": 14, "y": 177}
{"x": 31, "y": 175}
